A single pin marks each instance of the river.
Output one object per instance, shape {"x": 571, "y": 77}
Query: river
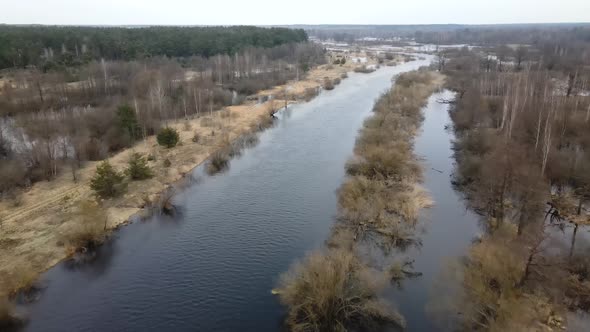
{"x": 448, "y": 227}
{"x": 211, "y": 268}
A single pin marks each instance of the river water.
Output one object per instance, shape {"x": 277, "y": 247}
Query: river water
{"x": 212, "y": 267}
{"x": 448, "y": 227}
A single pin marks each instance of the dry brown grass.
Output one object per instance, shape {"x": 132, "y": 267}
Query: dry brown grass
{"x": 333, "y": 291}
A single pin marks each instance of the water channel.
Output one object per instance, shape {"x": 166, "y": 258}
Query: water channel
{"x": 212, "y": 267}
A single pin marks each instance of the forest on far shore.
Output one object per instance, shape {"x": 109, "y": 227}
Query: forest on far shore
{"x": 48, "y": 47}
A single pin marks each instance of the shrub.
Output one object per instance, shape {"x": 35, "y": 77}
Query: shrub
{"x": 328, "y": 85}
{"x": 107, "y": 182}
{"x": 196, "y": 137}
{"x": 336, "y": 81}
{"x": 168, "y": 137}
{"x": 138, "y": 168}
{"x": 310, "y": 93}
{"x": 492, "y": 297}
{"x": 343, "y": 75}
{"x": 167, "y": 163}
{"x": 89, "y": 228}
{"x": 165, "y": 201}
{"x": 218, "y": 162}
{"x": 333, "y": 291}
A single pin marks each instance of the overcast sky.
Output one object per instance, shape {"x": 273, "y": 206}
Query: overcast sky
{"x": 267, "y": 12}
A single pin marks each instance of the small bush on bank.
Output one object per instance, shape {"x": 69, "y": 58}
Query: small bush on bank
{"x": 167, "y": 163}
{"x": 90, "y": 227}
{"x": 344, "y": 76}
{"x": 138, "y": 168}
{"x": 328, "y": 84}
{"x": 333, "y": 291}
{"x": 107, "y": 182}
{"x": 196, "y": 137}
{"x": 263, "y": 122}
{"x": 218, "y": 162}
{"x": 310, "y": 93}
{"x": 168, "y": 137}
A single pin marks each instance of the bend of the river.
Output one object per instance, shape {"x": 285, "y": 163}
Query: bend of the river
{"x": 211, "y": 268}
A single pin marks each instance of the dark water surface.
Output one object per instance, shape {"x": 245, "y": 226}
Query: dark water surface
{"x": 212, "y": 268}
{"x": 449, "y": 227}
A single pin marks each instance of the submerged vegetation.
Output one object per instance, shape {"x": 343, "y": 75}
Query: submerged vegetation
{"x": 336, "y": 290}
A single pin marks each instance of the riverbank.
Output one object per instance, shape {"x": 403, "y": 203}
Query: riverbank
{"x": 33, "y": 230}
{"x": 378, "y": 206}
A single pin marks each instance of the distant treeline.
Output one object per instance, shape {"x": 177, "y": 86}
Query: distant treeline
{"x": 508, "y": 34}
{"x": 47, "y": 46}
{"x": 457, "y": 34}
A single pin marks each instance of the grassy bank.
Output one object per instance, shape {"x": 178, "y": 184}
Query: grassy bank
{"x": 334, "y": 289}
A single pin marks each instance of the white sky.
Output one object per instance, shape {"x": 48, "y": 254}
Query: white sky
{"x": 266, "y": 12}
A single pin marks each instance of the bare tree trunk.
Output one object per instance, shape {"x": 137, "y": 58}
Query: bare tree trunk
{"x": 104, "y": 71}
{"x": 547, "y": 140}
{"x": 540, "y": 118}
